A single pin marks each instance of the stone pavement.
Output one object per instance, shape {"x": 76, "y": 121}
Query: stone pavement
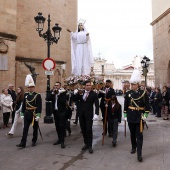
{"x": 156, "y": 149}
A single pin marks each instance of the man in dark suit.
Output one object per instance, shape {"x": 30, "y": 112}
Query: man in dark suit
{"x": 86, "y": 101}
{"x": 58, "y": 98}
{"x": 106, "y": 93}
{"x": 13, "y": 95}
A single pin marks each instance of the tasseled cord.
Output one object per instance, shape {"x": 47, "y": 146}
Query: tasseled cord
{"x": 141, "y": 126}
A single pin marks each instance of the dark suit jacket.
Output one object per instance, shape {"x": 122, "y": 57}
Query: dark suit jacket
{"x": 103, "y": 96}
{"x": 87, "y": 106}
{"x": 28, "y": 102}
{"x": 134, "y": 116}
{"x": 116, "y": 114}
{"x": 61, "y": 101}
{"x": 13, "y": 95}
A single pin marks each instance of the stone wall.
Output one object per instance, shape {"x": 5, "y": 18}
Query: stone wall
{"x": 17, "y": 21}
{"x": 161, "y": 47}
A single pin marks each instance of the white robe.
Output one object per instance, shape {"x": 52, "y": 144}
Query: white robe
{"x": 81, "y": 53}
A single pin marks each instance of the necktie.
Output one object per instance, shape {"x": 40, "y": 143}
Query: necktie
{"x": 86, "y": 95}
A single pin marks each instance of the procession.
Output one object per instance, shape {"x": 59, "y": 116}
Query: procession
{"x": 63, "y": 105}
{"x": 86, "y": 94}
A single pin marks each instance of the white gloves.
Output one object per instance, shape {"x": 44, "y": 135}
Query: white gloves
{"x": 37, "y": 118}
{"x": 125, "y": 118}
{"x": 106, "y": 105}
{"x": 101, "y": 91}
{"x": 143, "y": 117}
{"x": 61, "y": 91}
{"x": 95, "y": 117}
{"x": 75, "y": 107}
{"x": 11, "y": 104}
{"x": 75, "y": 91}
{"x": 22, "y": 117}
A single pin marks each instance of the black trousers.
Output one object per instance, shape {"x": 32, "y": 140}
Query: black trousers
{"x": 86, "y": 123}
{"x": 13, "y": 116}
{"x": 113, "y": 123}
{"x": 136, "y": 137}
{"x": 77, "y": 116}
{"x": 6, "y": 116}
{"x": 27, "y": 123}
{"x": 60, "y": 124}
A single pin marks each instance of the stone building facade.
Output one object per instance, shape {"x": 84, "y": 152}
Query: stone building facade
{"x": 121, "y": 77}
{"x": 19, "y": 36}
{"x": 161, "y": 41}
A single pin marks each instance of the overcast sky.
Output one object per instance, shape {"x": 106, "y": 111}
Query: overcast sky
{"x": 119, "y": 29}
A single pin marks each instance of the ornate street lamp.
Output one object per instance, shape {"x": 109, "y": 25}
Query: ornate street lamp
{"x": 50, "y": 39}
{"x": 145, "y": 65}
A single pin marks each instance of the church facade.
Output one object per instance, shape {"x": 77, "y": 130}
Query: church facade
{"x": 120, "y": 77}
{"x": 161, "y": 41}
{"x": 20, "y": 42}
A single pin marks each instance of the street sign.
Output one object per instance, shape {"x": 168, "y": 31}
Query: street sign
{"x": 49, "y": 64}
{"x": 48, "y": 72}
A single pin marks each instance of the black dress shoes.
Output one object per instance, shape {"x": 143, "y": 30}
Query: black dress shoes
{"x": 140, "y": 158}
{"x": 57, "y": 142}
{"x": 133, "y": 151}
{"x": 62, "y": 145}
{"x": 114, "y": 144}
{"x": 21, "y": 145}
{"x": 90, "y": 150}
{"x": 33, "y": 144}
{"x": 75, "y": 123}
{"x": 84, "y": 147}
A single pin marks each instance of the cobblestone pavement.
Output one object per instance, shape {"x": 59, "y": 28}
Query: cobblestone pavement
{"x": 156, "y": 149}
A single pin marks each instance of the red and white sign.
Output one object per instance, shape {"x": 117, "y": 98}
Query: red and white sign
{"x": 49, "y": 64}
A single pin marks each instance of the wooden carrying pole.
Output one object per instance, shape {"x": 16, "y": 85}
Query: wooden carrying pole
{"x": 105, "y": 120}
{"x": 125, "y": 128}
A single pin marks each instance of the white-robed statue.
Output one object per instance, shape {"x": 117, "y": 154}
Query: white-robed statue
{"x": 81, "y": 51}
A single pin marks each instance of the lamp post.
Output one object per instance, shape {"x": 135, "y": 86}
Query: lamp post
{"x": 50, "y": 39}
{"x": 145, "y": 64}
{"x": 102, "y": 74}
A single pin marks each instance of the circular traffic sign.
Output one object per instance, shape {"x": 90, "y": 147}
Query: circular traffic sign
{"x": 49, "y": 64}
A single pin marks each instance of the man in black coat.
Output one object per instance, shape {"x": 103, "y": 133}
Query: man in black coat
{"x": 106, "y": 93}
{"x": 13, "y": 95}
{"x": 136, "y": 109}
{"x": 58, "y": 97}
{"x": 151, "y": 101}
{"x": 31, "y": 113}
{"x": 86, "y": 101}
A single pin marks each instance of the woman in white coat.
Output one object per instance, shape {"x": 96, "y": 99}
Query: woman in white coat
{"x": 81, "y": 51}
{"x": 6, "y": 101}
{"x": 19, "y": 100}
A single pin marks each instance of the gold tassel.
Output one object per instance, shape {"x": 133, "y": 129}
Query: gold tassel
{"x": 32, "y": 122}
{"x": 33, "y": 118}
{"x": 141, "y": 126}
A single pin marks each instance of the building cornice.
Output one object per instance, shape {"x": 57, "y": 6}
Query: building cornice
{"x": 7, "y": 36}
{"x": 160, "y": 17}
{"x": 35, "y": 60}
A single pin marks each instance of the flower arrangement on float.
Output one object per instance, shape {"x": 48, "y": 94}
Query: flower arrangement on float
{"x": 78, "y": 81}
